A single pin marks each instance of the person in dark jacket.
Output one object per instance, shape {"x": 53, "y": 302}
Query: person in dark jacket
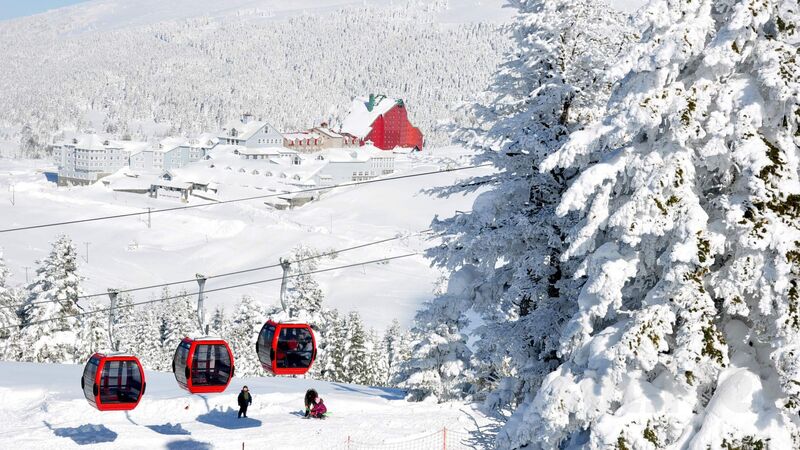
{"x": 245, "y": 400}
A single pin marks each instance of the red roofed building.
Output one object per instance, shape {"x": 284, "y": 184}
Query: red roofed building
{"x": 382, "y": 121}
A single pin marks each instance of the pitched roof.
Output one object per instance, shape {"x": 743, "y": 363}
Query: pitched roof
{"x": 364, "y": 111}
{"x": 245, "y": 130}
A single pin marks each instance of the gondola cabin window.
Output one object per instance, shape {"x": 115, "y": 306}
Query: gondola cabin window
{"x": 121, "y": 382}
{"x": 211, "y": 366}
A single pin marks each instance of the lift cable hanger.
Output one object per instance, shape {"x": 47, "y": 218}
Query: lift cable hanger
{"x": 237, "y": 272}
{"x": 223, "y": 288}
{"x": 237, "y": 200}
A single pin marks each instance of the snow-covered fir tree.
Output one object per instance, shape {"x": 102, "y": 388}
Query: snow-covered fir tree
{"x": 178, "y": 317}
{"x": 685, "y": 332}
{"x": 242, "y": 332}
{"x": 50, "y": 330}
{"x": 125, "y": 321}
{"x": 218, "y": 324}
{"x": 439, "y": 369}
{"x": 506, "y": 251}
{"x": 440, "y": 365}
{"x": 397, "y": 349}
{"x": 143, "y": 339}
{"x": 330, "y": 362}
{"x": 93, "y": 332}
{"x": 356, "y": 353}
{"x": 378, "y": 362}
{"x": 9, "y": 304}
{"x": 305, "y": 297}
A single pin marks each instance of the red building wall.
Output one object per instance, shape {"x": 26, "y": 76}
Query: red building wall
{"x": 393, "y": 129}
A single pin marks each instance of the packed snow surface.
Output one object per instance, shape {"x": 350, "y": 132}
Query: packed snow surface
{"x": 42, "y": 407}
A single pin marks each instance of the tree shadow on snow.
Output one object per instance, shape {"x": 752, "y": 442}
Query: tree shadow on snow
{"x": 169, "y": 429}
{"x": 227, "y": 419}
{"x": 85, "y": 434}
{"x": 387, "y": 393}
{"x": 188, "y": 444}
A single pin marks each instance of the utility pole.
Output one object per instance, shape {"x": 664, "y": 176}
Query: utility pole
{"x": 26, "y": 274}
{"x": 13, "y": 195}
{"x": 87, "y": 252}
{"x": 149, "y": 224}
{"x": 201, "y": 284}
{"x": 112, "y": 294}
{"x": 285, "y": 265}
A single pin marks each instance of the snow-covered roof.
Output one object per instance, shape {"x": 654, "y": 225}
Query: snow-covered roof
{"x": 205, "y": 140}
{"x": 244, "y": 130}
{"x": 359, "y": 154}
{"x": 94, "y": 142}
{"x": 327, "y": 132}
{"x": 170, "y": 143}
{"x": 301, "y": 135}
{"x": 364, "y": 111}
{"x": 275, "y": 151}
{"x": 133, "y": 146}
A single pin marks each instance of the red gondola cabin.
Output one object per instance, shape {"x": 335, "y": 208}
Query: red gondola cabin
{"x": 113, "y": 382}
{"x": 286, "y": 348}
{"x": 203, "y": 365}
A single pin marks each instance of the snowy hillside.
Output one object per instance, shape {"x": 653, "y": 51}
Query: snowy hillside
{"x": 42, "y": 407}
{"x": 177, "y": 70}
{"x": 126, "y": 253}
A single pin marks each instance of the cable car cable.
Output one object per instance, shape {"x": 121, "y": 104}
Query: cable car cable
{"x": 238, "y": 272}
{"x": 223, "y": 288}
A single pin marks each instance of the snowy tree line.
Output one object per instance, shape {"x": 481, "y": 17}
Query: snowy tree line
{"x": 36, "y": 324}
{"x": 184, "y": 77}
{"x": 630, "y": 279}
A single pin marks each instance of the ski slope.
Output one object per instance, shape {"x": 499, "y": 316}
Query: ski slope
{"x": 42, "y": 407}
{"x": 125, "y": 253}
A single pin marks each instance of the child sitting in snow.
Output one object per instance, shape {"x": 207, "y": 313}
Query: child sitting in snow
{"x": 315, "y": 407}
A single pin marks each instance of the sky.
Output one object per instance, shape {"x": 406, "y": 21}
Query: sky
{"x": 18, "y": 8}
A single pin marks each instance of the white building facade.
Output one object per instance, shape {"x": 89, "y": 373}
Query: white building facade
{"x": 86, "y": 158}
{"x": 349, "y": 165}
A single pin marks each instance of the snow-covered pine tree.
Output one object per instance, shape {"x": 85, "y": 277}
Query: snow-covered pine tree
{"x": 439, "y": 369}
{"x": 242, "y": 333}
{"x": 178, "y": 320}
{"x": 219, "y": 324}
{"x": 378, "y": 360}
{"x": 687, "y": 330}
{"x": 125, "y": 320}
{"x": 144, "y": 340}
{"x": 49, "y": 332}
{"x": 397, "y": 348}
{"x": 8, "y": 309}
{"x": 305, "y": 295}
{"x": 440, "y": 364}
{"x": 508, "y": 248}
{"x": 356, "y": 363}
{"x": 331, "y": 359}
{"x": 93, "y": 332}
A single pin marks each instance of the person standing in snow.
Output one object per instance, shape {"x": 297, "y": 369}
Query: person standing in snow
{"x": 245, "y": 400}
